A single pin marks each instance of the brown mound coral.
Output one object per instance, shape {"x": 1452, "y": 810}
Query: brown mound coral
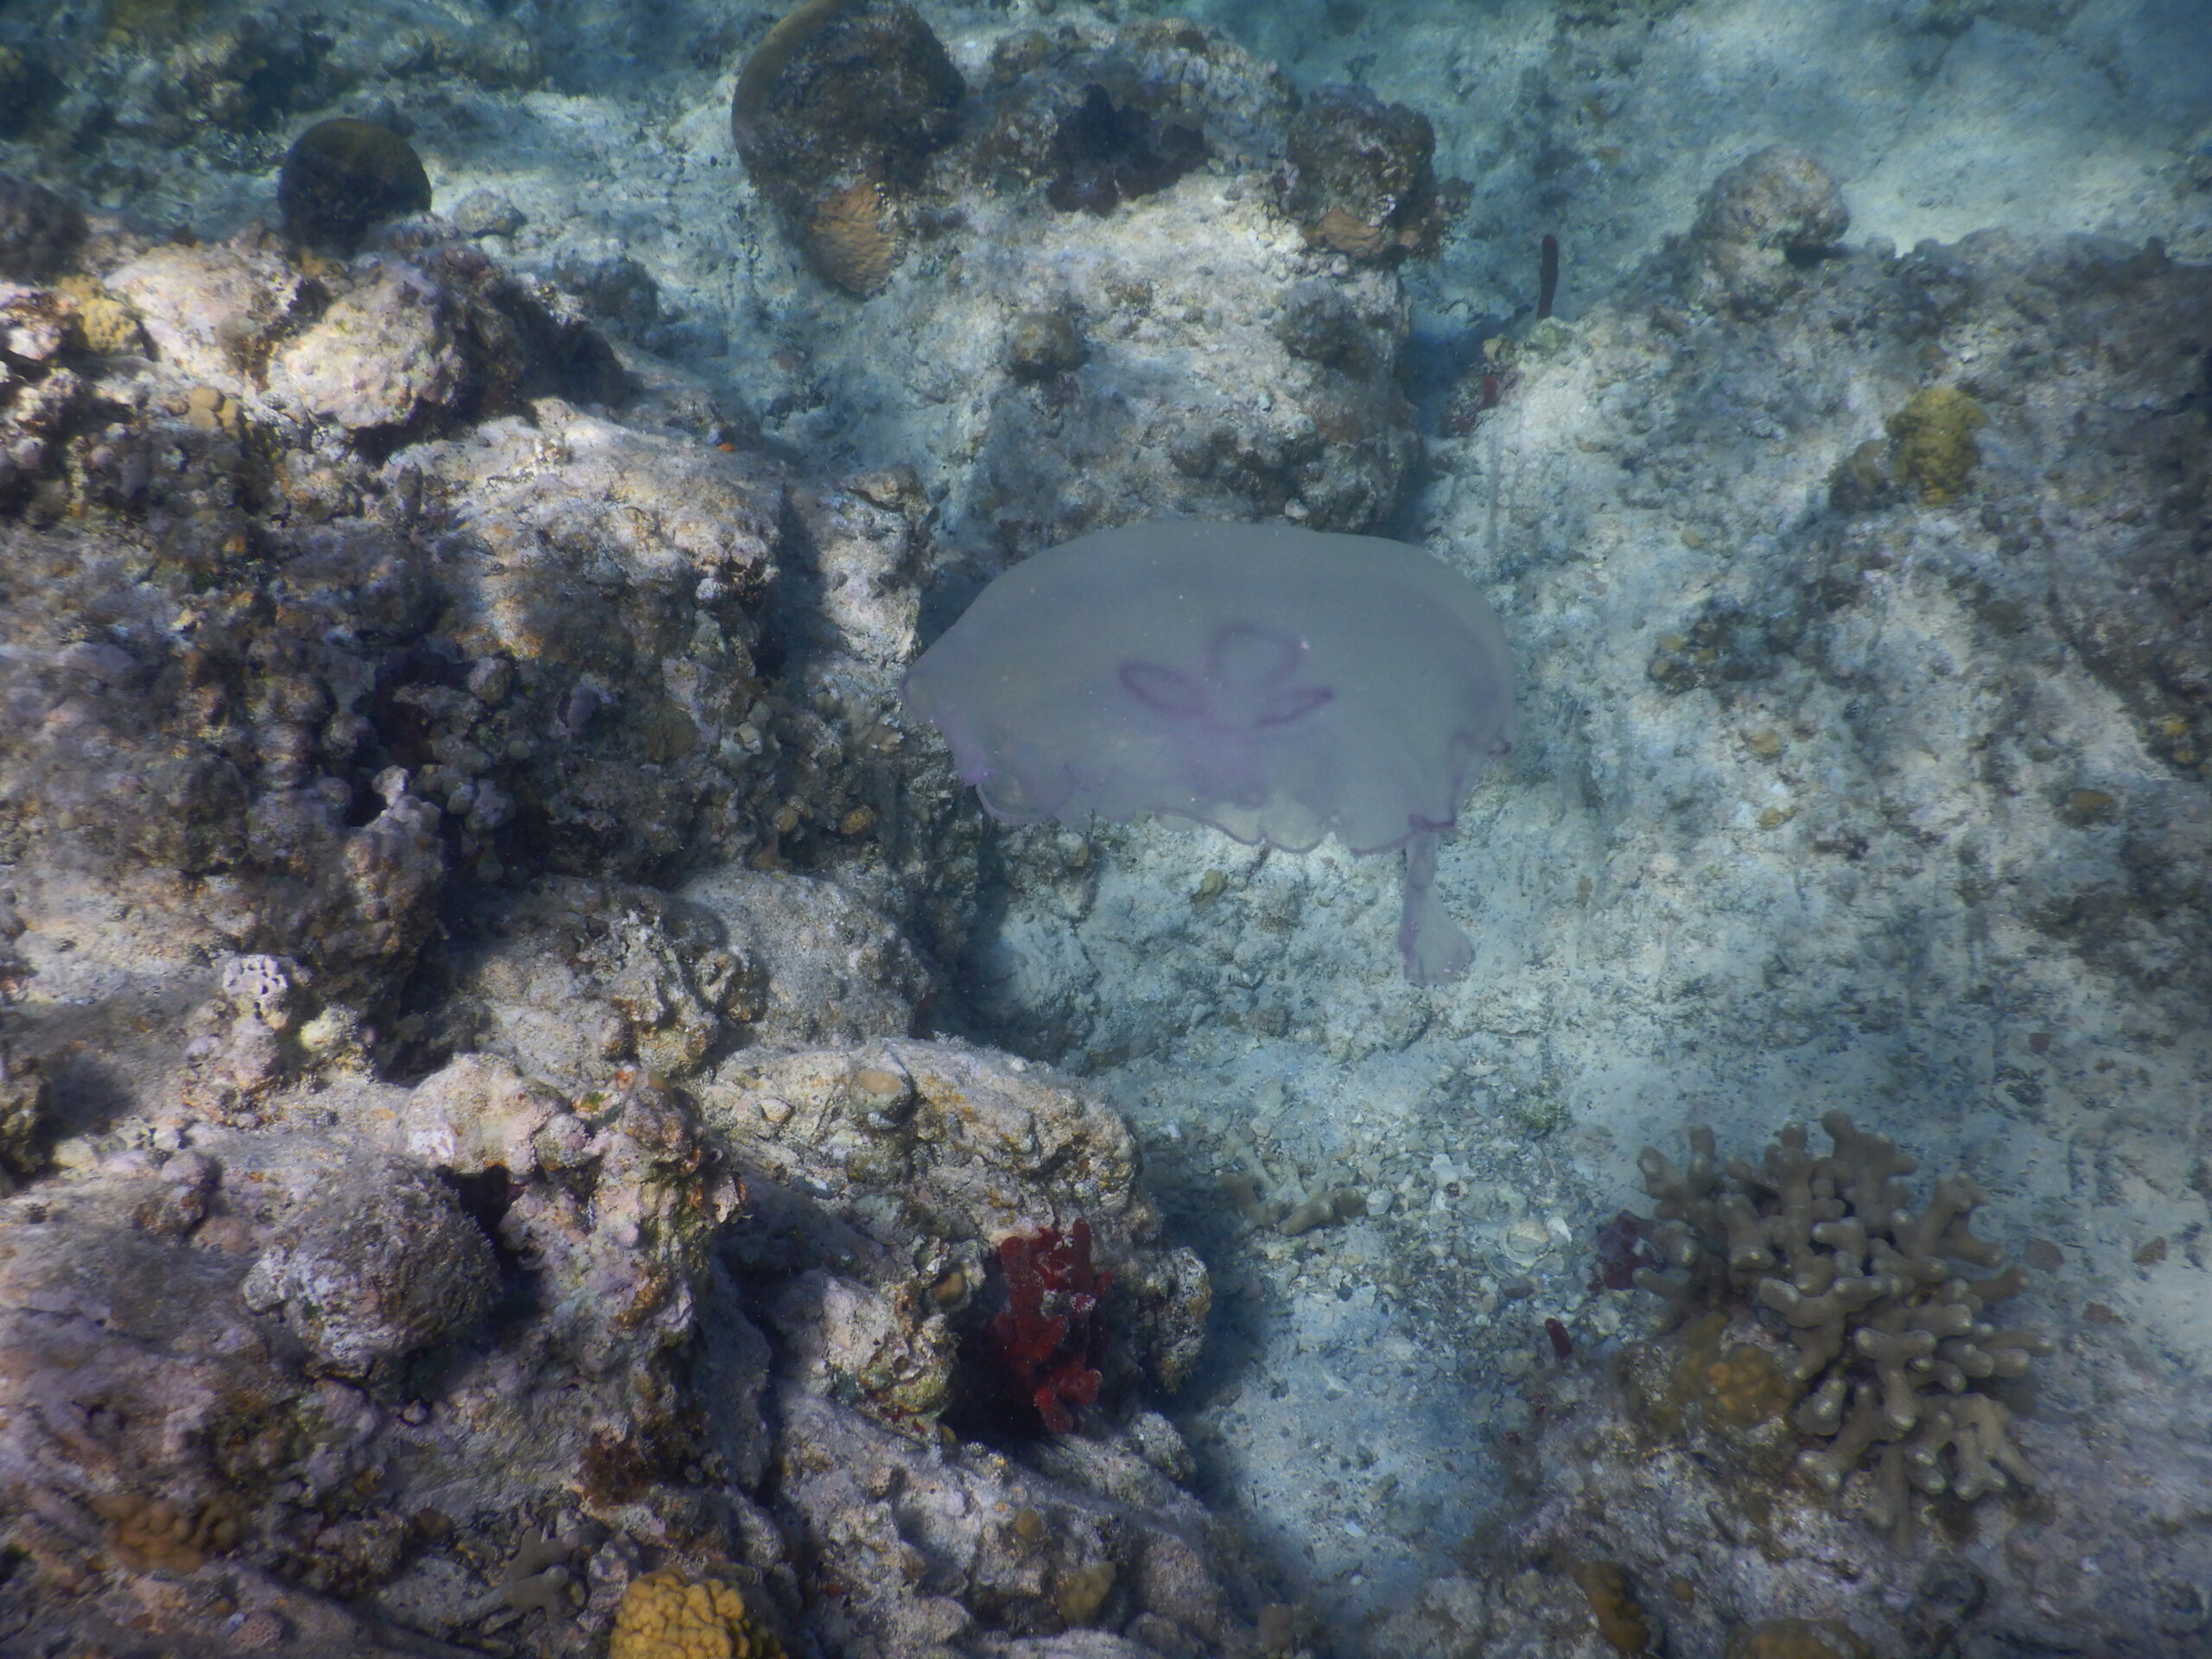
{"x": 340, "y": 177}
{"x": 854, "y": 237}
{"x": 1888, "y": 1353}
{"x": 836, "y": 115}
{"x": 1361, "y": 180}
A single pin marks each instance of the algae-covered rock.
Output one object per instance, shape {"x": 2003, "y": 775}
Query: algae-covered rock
{"x": 383, "y": 355}
{"x": 40, "y": 232}
{"x": 22, "y": 1114}
{"x": 384, "y": 1264}
{"x": 575, "y": 978}
{"x": 1779, "y": 200}
{"x": 213, "y": 312}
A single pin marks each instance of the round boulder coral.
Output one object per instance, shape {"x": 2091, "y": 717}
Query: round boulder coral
{"x": 1361, "y": 179}
{"x": 341, "y": 177}
{"x": 382, "y": 1264}
{"x": 835, "y": 116}
{"x": 1776, "y": 199}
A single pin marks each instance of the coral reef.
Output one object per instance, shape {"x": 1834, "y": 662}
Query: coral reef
{"x": 241, "y": 719}
{"x": 1062, "y": 445}
{"x": 592, "y": 1459}
{"x": 1678, "y": 1458}
{"x": 458, "y": 836}
{"x": 1889, "y": 1354}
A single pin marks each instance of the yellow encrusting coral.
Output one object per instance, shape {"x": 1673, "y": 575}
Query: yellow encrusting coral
{"x": 667, "y": 1616}
{"x": 1933, "y": 434}
{"x": 152, "y": 1534}
{"x": 105, "y": 324}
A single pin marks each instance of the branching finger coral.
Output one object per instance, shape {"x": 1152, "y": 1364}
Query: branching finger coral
{"x": 1886, "y": 1340}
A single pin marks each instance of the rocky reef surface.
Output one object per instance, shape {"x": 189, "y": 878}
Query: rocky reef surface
{"x": 537, "y": 1117}
{"x": 426, "y": 1229}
